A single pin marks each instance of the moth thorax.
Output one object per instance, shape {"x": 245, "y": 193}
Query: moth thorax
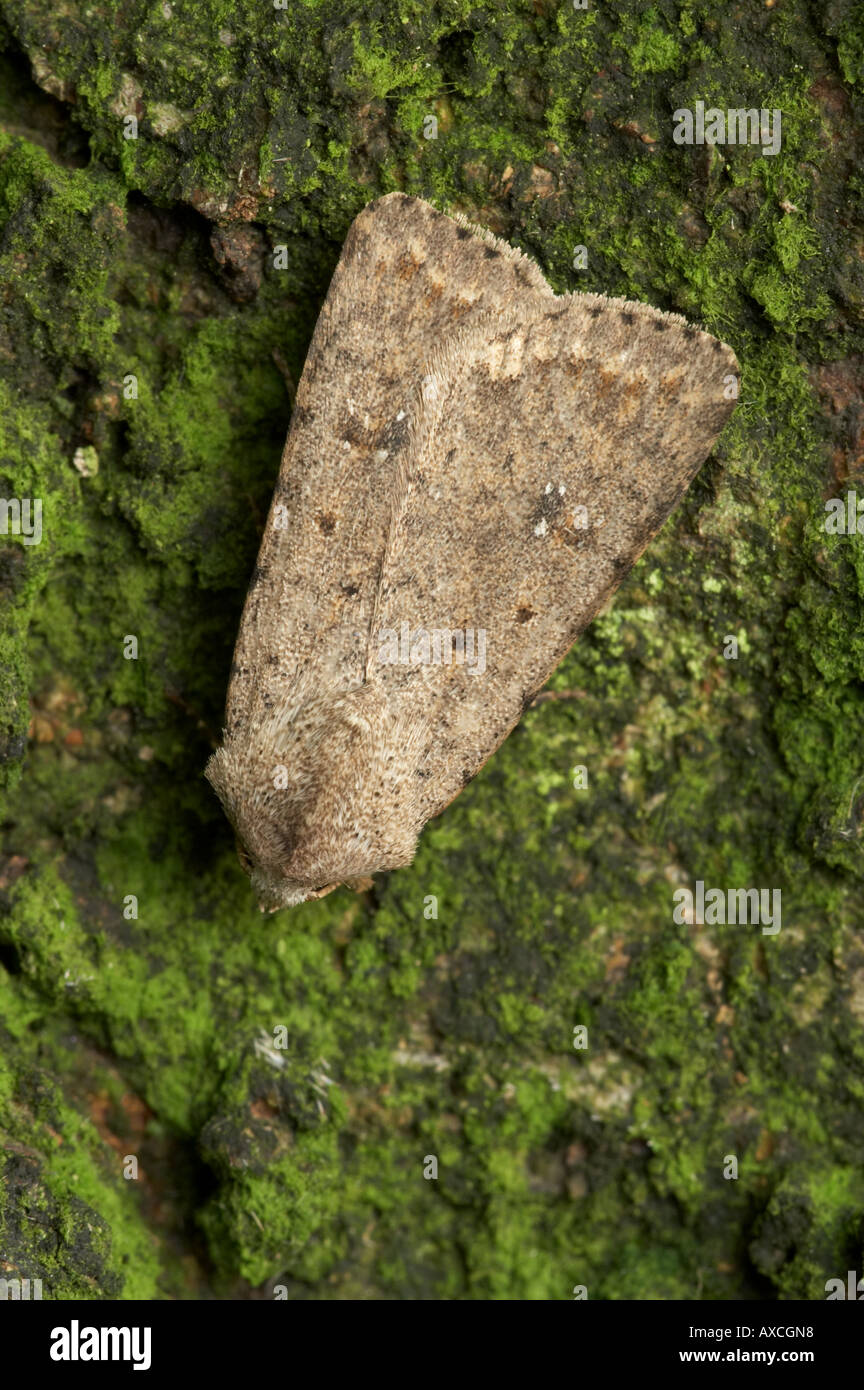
{"x": 344, "y": 803}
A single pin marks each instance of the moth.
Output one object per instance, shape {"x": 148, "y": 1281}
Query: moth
{"x": 474, "y": 464}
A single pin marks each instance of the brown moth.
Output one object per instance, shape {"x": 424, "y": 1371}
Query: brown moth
{"x": 474, "y": 464}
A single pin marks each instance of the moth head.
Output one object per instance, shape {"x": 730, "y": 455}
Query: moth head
{"x": 318, "y": 796}
{"x": 270, "y": 888}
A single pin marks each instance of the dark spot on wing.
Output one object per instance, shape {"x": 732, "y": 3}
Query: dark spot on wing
{"x": 573, "y": 368}
{"x": 285, "y": 491}
{"x": 393, "y": 436}
{"x": 352, "y": 429}
{"x": 548, "y": 507}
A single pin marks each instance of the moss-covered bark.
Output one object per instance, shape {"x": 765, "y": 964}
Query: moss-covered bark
{"x": 146, "y": 332}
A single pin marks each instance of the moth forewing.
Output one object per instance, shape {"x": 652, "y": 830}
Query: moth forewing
{"x": 552, "y": 449}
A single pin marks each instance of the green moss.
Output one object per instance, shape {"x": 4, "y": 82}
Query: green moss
{"x": 67, "y": 1218}
{"x": 654, "y": 49}
{"x": 810, "y": 1232}
{"x": 142, "y": 982}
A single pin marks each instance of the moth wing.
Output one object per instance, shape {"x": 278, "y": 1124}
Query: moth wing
{"x": 407, "y": 276}
{"x": 546, "y": 452}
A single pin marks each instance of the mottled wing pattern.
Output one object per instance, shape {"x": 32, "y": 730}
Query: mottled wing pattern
{"x": 407, "y": 277}
{"x": 547, "y": 449}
